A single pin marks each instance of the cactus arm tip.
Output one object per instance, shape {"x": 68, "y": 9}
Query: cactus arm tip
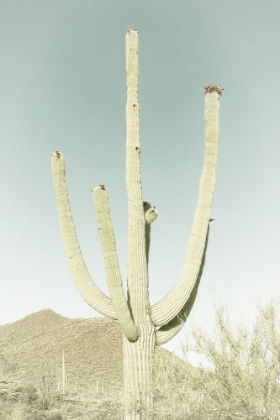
{"x": 213, "y": 88}
{"x": 151, "y": 215}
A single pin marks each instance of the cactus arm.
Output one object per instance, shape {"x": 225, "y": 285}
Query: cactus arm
{"x": 168, "y": 331}
{"x": 83, "y": 281}
{"x": 173, "y": 302}
{"x": 113, "y": 275}
{"x": 151, "y": 214}
{"x": 146, "y": 207}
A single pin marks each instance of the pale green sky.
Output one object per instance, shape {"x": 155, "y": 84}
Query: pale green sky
{"x": 62, "y": 86}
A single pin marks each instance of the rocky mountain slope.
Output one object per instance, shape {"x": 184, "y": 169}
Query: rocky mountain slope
{"x": 32, "y": 347}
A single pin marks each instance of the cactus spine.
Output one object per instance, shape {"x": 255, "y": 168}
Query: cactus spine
{"x": 143, "y": 326}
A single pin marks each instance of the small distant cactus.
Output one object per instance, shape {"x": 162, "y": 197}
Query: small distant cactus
{"x": 144, "y": 326}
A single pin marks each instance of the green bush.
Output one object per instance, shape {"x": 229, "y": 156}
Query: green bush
{"x": 242, "y": 378}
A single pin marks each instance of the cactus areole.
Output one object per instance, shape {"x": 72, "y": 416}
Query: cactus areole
{"x": 144, "y": 326}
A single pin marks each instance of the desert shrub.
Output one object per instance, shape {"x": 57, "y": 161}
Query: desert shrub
{"x": 12, "y": 411}
{"x": 242, "y": 377}
{"x": 103, "y": 409}
{"x": 58, "y": 397}
{"x": 54, "y": 414}
{"x": 45, "y": 388}
{"x": 8, "y": 392}
{"x": 3, "y": 396}
{"x": 27, "y": 393}
{"x": 170, "y": 388}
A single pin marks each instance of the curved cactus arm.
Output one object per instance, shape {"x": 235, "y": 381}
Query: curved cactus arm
{"x": 173, "y": 302}
{"x": 83, "y": 281}
{"x": 168, "y": 331}
{"x": 112, "y": 268}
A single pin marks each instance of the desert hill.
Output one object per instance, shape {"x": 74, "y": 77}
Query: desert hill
{"x": 32, "y": 347}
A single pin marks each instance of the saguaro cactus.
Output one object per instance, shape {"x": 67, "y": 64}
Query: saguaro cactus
{"x": 144, "y": 326}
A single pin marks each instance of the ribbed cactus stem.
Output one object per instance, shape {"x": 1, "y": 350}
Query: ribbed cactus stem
{"x": 137, "y": 272}
{"x": 138, "y": 357}
{"x": 113, "y": 274}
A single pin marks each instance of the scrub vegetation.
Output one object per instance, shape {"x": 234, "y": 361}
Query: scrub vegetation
{"x": 237, "y": 379}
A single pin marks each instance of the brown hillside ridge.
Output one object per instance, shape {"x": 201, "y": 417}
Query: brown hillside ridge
{"x": 92, "y": 348}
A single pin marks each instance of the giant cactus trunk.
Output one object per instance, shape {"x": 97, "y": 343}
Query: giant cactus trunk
{"x": 143, "y": 326}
